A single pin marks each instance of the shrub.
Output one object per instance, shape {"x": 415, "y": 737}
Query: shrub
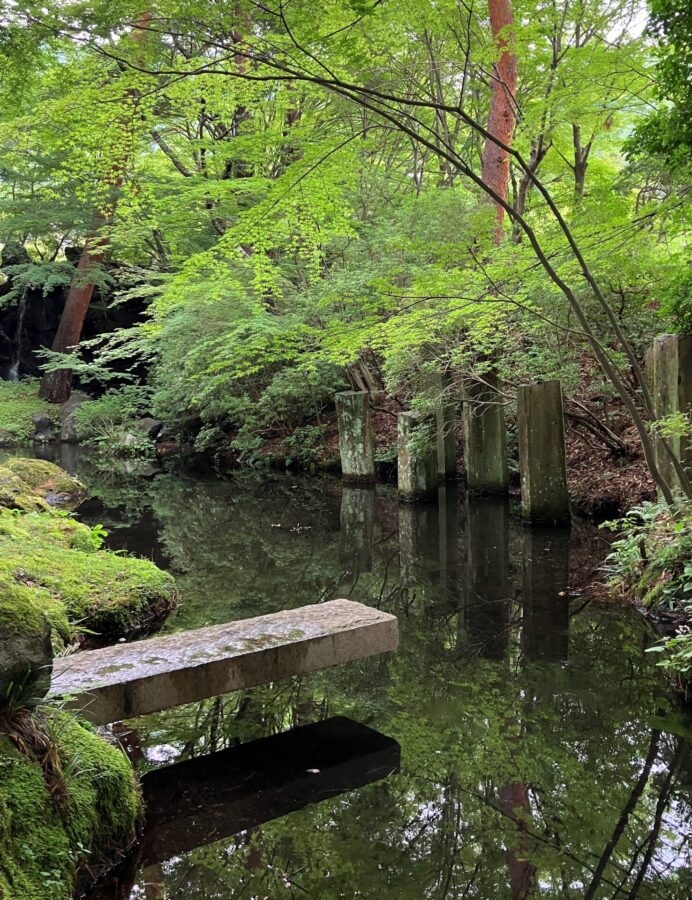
{"x": 651, "y": 560}
{"x": 108, "y": 423}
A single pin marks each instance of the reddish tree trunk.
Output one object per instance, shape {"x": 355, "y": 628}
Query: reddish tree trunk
{"x": 514, "y": 802}
{"x": 502, "y": 116}
{"x": 56, "y": 386}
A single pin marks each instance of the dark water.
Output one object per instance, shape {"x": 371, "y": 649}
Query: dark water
{"x": 539, "y": 752}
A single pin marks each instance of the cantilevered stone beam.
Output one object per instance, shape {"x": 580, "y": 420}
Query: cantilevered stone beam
{"x": 134, "y": 679}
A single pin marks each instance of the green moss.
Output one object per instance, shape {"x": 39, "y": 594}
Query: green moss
{"x": 43, "y": 847}
{"x": 22, "y": 608}
{"x": 98, "y": 590}
{"x": 15, "y": 493}
{"x": 19, "y": 401}
{"x": 20, "y": 614}
{"x": 44, "y": 477}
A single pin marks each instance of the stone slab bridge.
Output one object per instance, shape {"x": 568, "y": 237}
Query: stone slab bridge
{"x": 129, "y": 680}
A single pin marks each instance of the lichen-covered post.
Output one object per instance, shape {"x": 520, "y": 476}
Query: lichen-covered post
{"x": 357, "y": 526}
{"x": 542, "y": 466}
{"x": 445, "y": 417}
{"x": 355, "y": 436}
{"x": 671, "y": 358}
{"x": 436, "y": 385}
{"x": 485, "y": 437}
{"x": 417, "y": 459}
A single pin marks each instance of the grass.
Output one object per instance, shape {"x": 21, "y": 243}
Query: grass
{"x": 19, "y": 401}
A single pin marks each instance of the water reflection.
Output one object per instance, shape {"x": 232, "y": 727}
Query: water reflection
{"x": 545, "y": 601}
{"x": 541, "y": 753}
{"x": 194, "y": 803}
{"x": 488, "y": 589}
{"x": 357, "y": 522}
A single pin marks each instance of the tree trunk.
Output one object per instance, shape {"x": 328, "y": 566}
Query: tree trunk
{"x": 56, "y": 386}
{"x": 581, "y": 161}
{"x": 502, "y": 117}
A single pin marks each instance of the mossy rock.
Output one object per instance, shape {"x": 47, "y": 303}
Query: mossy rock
{"x": 15, "y": 493}
{"x": 45, "y": 846}
{"x": 47, "y": 480}
{"x": 98, "y": 590}
{"x": 26, "y": 653}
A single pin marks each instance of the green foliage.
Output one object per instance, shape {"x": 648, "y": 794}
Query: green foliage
{"x": 652, "y": 560}
{"x": 667, "y": 132}
{"x": 278, "y": 233}
{"x": 677, "y": 300}
{"x": 304, "y": 447}
{"x": 45, "y": 277}
{"x": 109, "y": 423}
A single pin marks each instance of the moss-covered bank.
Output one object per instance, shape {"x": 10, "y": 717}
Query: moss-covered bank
{"x": 69, "y": 801}
{"x": 35, "y": 484}
{"x": 46, "y": 842}
{"x": 60, "y": 563}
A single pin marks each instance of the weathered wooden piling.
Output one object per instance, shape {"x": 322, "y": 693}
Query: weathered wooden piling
{"x": 445, "y": 419}
{"x": 355, "y": 436}
{"x": 671, "y": 365}
{"x": 485, "y": 437}
{"x": 438, "y": 387}
{"x": 417, "y": 464}
{"x": 542, "y": 466}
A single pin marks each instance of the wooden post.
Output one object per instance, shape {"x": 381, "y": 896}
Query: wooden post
{"x": 417, "y": 466}
{"x": 355, "y": 436}
{"x": 435, "y": 385}
{"x": 445, "y": 418}
{"x": 485, "y": 437}
{"x": 671, "y": 362}
{"x": 540, "y": 423}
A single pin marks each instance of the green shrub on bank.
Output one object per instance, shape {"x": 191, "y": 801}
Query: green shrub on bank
{"x": 19, "y": 401}
{"x": 651, "y": 560}
{"x": 106, "y": 422}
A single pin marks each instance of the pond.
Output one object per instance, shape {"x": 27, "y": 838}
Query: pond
{"x": 530, "y": 749}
